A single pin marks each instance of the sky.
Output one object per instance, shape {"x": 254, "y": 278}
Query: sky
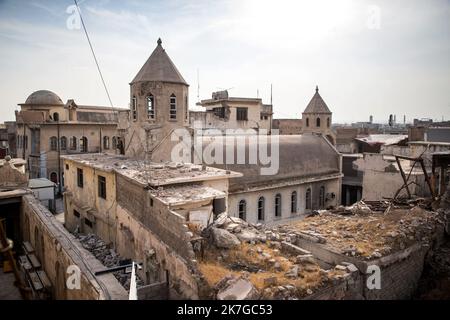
{"x": 367, "y": 57}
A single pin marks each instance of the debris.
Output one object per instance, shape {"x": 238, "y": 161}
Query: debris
{"x": 224, "y": 239}
{"x": 238, "y": 289}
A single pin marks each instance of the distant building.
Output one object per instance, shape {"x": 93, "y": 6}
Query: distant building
{"x": 224, "y": 112}
{"x": 47, "y": 128}
{"x": 287, "y": 126}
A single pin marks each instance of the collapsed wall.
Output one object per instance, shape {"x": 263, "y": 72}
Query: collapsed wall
{"x": 57, "y": 250}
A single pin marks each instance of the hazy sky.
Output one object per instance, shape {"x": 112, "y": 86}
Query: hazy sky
{"x": 368, "y": 57}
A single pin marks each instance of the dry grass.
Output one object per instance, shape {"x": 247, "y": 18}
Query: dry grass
{"x": 214, "y": 270}
{"x": 365, "y": 233}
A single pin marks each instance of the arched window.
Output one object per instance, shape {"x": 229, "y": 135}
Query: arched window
{"x": 150, "y": 107}
{"x": 261, "y": 208}
{"x": 54, "y": 177}
{"x": 294, "y": 202}
{"x": 307, "y": 122}
{"x": 53, "y": 143}
{"x": 242, "y": 210}
{"x": 278, "y": 205}
{"x": 73, "y": 143}
{"x": 63, "y": 143}
{"x": 173, "y": 107}
{"x": 83, "y": 144}
{"x": 134, "y": 108}
{"x": 106, "y": 142}
{"x": 55, "y": 116}
{"x": 328, "y": 122}
{"x": 186, "y": 108}
{"x": 114, "y": 143}
{"x": 318, "y": 122}
{"x": 308, "y": 198}
{"x": 322, "y": 197}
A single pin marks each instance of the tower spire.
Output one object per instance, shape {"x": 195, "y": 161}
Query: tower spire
{"x": 317, "y": 88}
{"x": 159, "y": 41}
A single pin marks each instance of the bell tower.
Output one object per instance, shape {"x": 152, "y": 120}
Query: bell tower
{"x": 158, "y": 103}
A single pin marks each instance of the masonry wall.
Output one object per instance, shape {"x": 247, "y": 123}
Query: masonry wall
{"x": 86, "y": 201}
{"x": 136, "y": 241}
{"x": 57, "y": 249}
{"x": 251, "y": 198}
{"x": 169, "y": 226}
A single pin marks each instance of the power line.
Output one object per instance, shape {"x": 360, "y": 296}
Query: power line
{"x": 93, "y": 53}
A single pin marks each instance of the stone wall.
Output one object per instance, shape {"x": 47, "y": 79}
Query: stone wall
{"x": 57, "y": 249}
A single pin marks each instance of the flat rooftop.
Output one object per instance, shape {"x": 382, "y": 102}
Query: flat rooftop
{"x": 151, "y": 173}
{"x": 180, "y": 195}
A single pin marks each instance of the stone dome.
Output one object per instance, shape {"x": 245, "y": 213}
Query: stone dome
{"x": 44, "y": 97}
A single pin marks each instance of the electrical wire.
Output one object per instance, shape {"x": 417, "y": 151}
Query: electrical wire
{"x": 93, "y": 53}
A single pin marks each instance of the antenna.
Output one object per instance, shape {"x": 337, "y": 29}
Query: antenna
{"x": 198, "y": 85}
{"x": 270, "y": 94}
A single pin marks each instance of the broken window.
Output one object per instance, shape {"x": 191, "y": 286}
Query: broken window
{"x": 261, "y": 208}
{"x": 278, "y": 205}
{"x": 241, "y": 114}
{"x": 73, "y": 143}
{"x": 63, "y": 143}
{"x": 53, "y": 143}
{"x": 150, "y": 107}
{"x": 55, "y": 116}
{"x": 102, "y": 187}
{"x": 80, "y": 181}
{"x": 114, "y": 143}
{"x": 173, "y": 107}
{"x": 242, "y": 209}
{"x": 106, "y": 142}
{"x": 83, "y": 144}
{"x": 308, "y": 198}
{"x": 219, "y": 112}
{"x": 294, "y": 202}
{"x": 322, "y": 197}
{"x": 134, "y": 108}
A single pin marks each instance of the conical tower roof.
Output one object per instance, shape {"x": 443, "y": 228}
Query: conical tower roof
{"x": 317, "y": 105}
{"x": 159, "y": 67}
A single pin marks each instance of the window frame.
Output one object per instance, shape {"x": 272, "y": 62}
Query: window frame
{"x": 241, "y": 114}
{"x": 80, "y": 178}
{"x": 261, "y": 208}
{"x": 101, "y": 184}
{"x": 134, "y": 108}
{"x": 278, "y": 212}
{"x": 173, "y": 107}
{"x": 151, "y": 114}
{"x": 294, "y": 202}
{"x": 53, "y": 143}
{"x": 242, "y": 212}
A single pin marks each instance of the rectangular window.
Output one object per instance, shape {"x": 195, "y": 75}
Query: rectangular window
{"x": 80, "y": 180}
{"x": 151, "y": 107}
{"x": 241, "y": 114}
{"x": 134, "y": 108}
{"x": 173, "y": 107}
{"x": 102, "y": 187}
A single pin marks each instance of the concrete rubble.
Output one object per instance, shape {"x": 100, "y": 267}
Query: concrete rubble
{"x": 268, "y": 262}
{"x": 108, "y": 257}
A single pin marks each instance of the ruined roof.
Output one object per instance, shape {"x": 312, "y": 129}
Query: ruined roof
{"x": 385, "y": 139}
{"x": 152, "y": 174}
{"x": 159, "y": 67}
{"x": 179, "y": 195}
{"x": 44, "y": 97}
{"x": 307, "y": 156}
{"x": 317, "y": 105}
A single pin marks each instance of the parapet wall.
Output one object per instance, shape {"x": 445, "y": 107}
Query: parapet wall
{"x": 57, "y": 249}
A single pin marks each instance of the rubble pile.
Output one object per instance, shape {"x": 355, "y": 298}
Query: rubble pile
{"x": 246, "y": 261}
{"x": 108, "y": 257}
{"x": 372, "y": 234}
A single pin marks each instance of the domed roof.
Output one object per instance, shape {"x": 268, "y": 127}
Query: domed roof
{"x": 44, "y": 97}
